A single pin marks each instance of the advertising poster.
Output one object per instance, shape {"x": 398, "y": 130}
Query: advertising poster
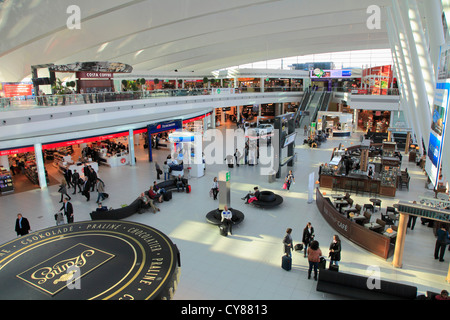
{"x": 435, "y": 146}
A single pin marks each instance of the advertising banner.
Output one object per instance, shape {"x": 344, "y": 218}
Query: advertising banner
{"x": 436, "y": 140}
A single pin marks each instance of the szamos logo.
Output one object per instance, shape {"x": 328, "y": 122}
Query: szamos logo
{"x": 61, "y": 269}
{"x": 55, "y": 273}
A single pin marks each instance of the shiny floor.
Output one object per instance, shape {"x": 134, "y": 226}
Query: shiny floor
{"x": 247, "y": 264}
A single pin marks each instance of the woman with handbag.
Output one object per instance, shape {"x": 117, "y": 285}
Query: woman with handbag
{"x": 289, "y": 180}
{"x": 63, "y": 190}
{"x": 314, "y": 254}
{"x": 335, "y": 251}
{"x": 308, "y": 236}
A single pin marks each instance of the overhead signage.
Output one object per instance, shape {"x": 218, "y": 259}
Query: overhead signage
{"x": 94, "y": 75}
{"x": 17, "y": 89}
{"x": 16, "y": 151}
{"x": 84, "y": 140}
{"x": 319, "y": 73}
{"x": 164, "y": 126}
{"x": 93, "y": 66}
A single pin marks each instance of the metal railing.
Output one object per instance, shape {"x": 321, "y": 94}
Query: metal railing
{"x": 31, "y": 102}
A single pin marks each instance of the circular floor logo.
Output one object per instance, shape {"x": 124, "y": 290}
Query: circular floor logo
{"x": 110, "y": 260}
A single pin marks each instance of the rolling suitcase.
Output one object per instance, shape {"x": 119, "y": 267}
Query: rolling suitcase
{"x": 322, "y": 263}
{"x": 223, "y": 228}
{"x": 286, "y": 263}
{"x": 59, "y": 217}
{"x": 167, "y": 196}
{"x": 188, "y": 188}
{"x": 334, "y": 268}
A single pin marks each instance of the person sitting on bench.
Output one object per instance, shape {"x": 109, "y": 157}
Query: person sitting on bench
{"x": 158, "y": 189}
{"x": 250, "y": 197}
{"x": 146, "y": 203}
{"x": 155, "y": 196}
{"x": 101, "y": 207}
{"x": 226, "y": 218}
{"x": 179, "y": 183}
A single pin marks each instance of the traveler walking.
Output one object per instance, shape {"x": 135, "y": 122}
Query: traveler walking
{"x": 63, "y": 190}
{"x": 441, "y": 243}
{"x": 22, "y": 225}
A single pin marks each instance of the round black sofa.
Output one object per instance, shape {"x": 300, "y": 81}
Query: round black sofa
{"x": 215, "y": 216}
{"x": 268, "y": 199}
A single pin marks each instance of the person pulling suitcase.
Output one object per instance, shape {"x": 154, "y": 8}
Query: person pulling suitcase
{"x": 286, "y": 261}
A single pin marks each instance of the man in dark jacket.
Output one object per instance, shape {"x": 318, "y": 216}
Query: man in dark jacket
{"x": 68, "y": 210}
{"x": 76, "y": 182}
{"x": 22, "y": 225}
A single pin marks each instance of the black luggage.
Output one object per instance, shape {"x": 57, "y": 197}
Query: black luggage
{"x": 322, "y": 263}
{"x": 334, "y": 267}
{"x": 105, "y": 195}
{"x": 59, "y": 217}
{"x": 167, "y": 196}
{"x": 223, "y": 230}
{"x": 298, "y": 247}
{"x": 230, "y": 165}
{"x": 286, "y": 263}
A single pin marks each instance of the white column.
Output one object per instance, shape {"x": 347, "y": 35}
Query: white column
{"x": 261, "y": 84}
{"x": 40, "y": 166}
{"x": 397, "y": 73}
{"x": 416, "y": 82}
{"x": 423, "y": 56}
{"x": 404, "y": 68}
{"x": 131, "y": 147}
{"x": 433, "y": 18}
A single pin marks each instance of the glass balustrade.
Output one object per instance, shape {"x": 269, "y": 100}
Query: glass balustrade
{"x": 32, "y": 102}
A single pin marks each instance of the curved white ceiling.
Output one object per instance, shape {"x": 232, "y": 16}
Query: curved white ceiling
{"x": 187, "y": 35}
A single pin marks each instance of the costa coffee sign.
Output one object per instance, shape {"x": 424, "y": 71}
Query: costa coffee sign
{"x": 94, "y": 75}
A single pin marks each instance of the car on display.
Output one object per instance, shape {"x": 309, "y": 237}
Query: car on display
{"x": 261, "y": 131}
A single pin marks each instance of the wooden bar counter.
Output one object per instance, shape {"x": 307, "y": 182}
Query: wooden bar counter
{"x": 350, "y": 183}
{"x": 372, "y": 241}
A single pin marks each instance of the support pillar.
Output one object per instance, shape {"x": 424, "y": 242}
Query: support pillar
{"x": 40, "y": 166}
{"x": 224, "y": 187}
{"x": 400, "y": 241}
{"x": 131, "y": 147}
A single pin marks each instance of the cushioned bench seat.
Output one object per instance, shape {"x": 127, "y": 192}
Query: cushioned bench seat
{"x": 354, "y": 286}
{"x": 215, "y": 216}
{"x": 117, "y": 214}
{"x": 268, "y": 199}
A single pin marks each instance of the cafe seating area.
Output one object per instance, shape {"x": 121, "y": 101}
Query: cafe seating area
{"x": 372, "y": 215}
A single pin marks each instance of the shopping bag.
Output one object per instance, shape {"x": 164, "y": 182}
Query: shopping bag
{"x": 285, "y": 186}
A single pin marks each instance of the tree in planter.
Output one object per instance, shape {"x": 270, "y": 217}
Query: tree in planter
{"x": 124, "y": 85}
{"x": 156, "y": 82}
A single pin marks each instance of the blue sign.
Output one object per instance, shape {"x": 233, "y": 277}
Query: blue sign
{"x": 160, "y": 127}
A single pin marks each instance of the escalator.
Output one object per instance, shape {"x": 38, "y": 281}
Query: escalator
{"x": 302, "y": 107}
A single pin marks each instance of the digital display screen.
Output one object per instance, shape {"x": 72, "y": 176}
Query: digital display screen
{"x": 289, "y": 139}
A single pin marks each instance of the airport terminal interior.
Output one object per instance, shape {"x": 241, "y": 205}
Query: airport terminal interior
{"x": 356, "y": 109}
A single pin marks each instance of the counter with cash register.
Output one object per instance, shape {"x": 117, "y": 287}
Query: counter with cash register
{"x": 366, "y": 168}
